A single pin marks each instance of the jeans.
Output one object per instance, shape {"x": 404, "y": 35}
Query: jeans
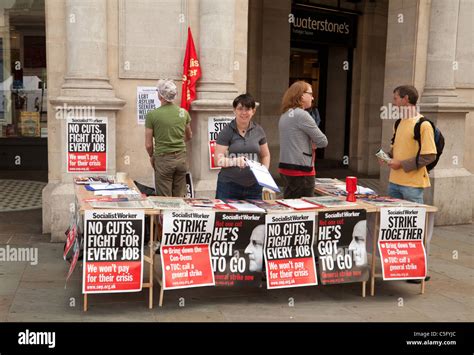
{"x": 414, "y": 194}
{"x": 233, "y": 191}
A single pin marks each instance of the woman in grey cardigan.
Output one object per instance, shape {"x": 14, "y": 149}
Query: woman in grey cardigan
{"x": 298, "y": 135}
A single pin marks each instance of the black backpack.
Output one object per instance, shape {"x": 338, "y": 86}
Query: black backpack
{"x": 438, "y": 138}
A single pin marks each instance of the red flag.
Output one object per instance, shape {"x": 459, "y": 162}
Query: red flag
{"x": 191, "y": 73}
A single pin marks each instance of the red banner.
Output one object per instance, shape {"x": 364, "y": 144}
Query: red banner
{"x": 191, "y": 73}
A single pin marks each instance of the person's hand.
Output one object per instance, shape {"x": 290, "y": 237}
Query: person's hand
{"x": 152, "y": 161}
{"x": 394, "y": 164}
{"x": 240, "y": 162}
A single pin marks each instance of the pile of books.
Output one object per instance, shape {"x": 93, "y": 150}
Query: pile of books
{"x": 386, "y": 201}
{"x": 329, "y": 201}
{"x": 87, "y": 180}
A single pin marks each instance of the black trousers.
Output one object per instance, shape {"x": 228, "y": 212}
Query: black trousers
{"x": 298, "y": 186}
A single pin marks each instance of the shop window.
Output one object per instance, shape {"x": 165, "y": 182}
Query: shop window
{"x": 23, "y": 88}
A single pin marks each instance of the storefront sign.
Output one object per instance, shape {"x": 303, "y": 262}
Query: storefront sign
{"x": 310, "y": 25}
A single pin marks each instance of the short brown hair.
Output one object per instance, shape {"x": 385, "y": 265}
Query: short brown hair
{"x": 292, "y": 96}
{"x": 407, "y": 90}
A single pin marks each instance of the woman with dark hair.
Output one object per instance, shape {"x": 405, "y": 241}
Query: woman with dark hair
{"x": 298, "y": 134}
{"x": 241, "y": 139}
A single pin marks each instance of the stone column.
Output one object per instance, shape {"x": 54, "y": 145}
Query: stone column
{"x": 86, "y": 84}
{"x": 216, "y": 52}
{"x": 451, "y": 189}
{"x": 216, "y": 89}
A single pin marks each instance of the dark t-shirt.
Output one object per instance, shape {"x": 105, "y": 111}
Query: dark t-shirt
{"x": 247, "y": 146}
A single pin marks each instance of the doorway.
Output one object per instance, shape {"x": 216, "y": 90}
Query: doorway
{"x": 310, "y": 65}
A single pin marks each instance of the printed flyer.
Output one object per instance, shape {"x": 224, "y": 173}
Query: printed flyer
{"x": 237, "y": 249}
{"x": 401, "y": 247}
{"x": 341, "y": 246}
{"x": 86, "y": 144}
{"x": 289, "y": 256}
{"x": 113, "y": 251}
{"x": 215, "y": 126}
{"x": 147, "y": 100}
{"x": 185, "y": 254}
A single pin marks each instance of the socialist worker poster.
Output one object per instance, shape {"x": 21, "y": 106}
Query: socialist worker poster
{"x": 400, "y": 243}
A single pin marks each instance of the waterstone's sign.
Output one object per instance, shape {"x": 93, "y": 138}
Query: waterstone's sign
{"x": 310, "y": 25}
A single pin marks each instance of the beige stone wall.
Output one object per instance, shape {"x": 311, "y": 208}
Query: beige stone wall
{"x": 269, "y": 63}
{"x": 464, "y": 73}
{"x": 405, "y": 63}
{"x": 367, "y": 88}
{"x": 56, "y": 57}
{"x": 131, "y": 154}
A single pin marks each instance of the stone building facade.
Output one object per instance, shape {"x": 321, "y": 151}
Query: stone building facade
{"x": 100, "y": 51}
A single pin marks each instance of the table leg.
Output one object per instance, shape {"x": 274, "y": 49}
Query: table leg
{"x": 374, "y": 254}
{"x": 363, "y": 288}
{"x": 162, "y": 293}
{"x": 85, "y": 302}
{"x": 425, "y": 238}
{"x": 152, "y": 258}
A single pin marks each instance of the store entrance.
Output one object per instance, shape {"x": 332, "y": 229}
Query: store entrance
{"x": 310, "y": 65}
{"x": 329, "y": 71}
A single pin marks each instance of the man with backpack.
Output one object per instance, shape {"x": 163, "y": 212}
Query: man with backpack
{"x": 410, "y": 155}
{"x": 413, "y": 151}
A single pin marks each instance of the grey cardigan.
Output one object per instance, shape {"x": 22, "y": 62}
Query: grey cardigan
{"x": 297, "y": 131}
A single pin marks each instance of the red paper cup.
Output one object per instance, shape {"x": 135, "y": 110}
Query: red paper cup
{"x": 351, "y": 184}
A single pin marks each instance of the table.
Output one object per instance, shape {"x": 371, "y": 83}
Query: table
{"x": 373, "y": 235}
{"x": 373, "y": 211}
{"x": 82, "y": 194}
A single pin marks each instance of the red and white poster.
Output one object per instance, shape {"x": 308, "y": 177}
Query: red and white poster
{"x": 215, "y": 125}
{"x": 289, "y": 256}
{"x": 185, "y": 254}
{"x": 113, "y": 251}
{"x": 86, "y": 144}
{"x": 401, "y": 247}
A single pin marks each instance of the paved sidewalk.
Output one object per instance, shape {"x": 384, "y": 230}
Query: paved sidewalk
{"x": 38, "y": 293}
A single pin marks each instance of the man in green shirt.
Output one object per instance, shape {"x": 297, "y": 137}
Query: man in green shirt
{"x": 170, "y": 127}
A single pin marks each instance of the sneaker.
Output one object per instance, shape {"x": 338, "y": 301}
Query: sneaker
{"x": 418, "y": 281}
